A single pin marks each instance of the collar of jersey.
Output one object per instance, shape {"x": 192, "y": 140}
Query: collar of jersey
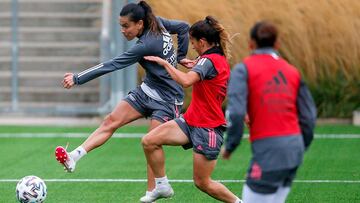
{"x": 213, "y": 50}
{"x": 269, "y": 51}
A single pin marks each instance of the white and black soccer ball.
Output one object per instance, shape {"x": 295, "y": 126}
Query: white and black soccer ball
{"x": 31, "y": 189}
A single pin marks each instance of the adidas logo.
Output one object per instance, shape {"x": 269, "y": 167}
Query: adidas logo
{"x": 277, "y": 79}
{"x": 280, "y": 78}
{"x": 167, "y": 43}
{"x": 277, "y": 84}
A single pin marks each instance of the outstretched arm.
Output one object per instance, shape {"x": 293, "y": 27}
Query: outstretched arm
{"x": 184, "y": 79}
{"x": 131, "y": 56}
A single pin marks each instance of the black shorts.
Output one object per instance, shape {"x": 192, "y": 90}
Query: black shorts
{"x": 206, "y": 141}
{"x": 267, "y": 182}
{"x": 148, "y": 107}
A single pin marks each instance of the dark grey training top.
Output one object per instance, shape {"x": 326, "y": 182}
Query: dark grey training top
{"x": 157, "y": 83}
{"x": 281, "y": 152}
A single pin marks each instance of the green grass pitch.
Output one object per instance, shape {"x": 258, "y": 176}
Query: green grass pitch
{"x": 122, "y": 158}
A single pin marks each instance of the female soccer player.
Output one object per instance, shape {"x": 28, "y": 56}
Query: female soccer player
{"x": 281, "y": 112}
{"x": 159, "y": 97}
{"x": 202, "y": 125}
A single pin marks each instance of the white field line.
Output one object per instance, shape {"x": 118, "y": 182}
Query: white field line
{"x": 176, "y": 181}
{"x": 138, "y": 135}
{"x": 66, "y": 135}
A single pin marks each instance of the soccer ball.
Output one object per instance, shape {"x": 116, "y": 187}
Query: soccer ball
{"x": 31, "y": 189}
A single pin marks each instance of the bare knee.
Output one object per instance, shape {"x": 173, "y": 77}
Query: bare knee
{"x": 201, "y": 182}
{"x": 148, "y": 143}
{"x": 110, "y": 123}
{"x": 145, "y": 141}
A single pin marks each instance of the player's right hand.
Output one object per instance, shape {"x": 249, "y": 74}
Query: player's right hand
{"x": 247, "y": 121}
{"x": 68, "y": 81}
{"x": 225, "y": 154}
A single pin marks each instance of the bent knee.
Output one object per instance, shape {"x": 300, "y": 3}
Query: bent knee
{"x": 110, "y": 123}
{"x": 148, "y": 142}
{"x": 201, "y": 183}
{"x": 145, "y": 142}
{"x": 151, "y": 142}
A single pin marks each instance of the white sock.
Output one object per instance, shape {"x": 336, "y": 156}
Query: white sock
{"x": 148, "y": 193}
{"x": 160, "y": 182}
{"x": 77, "y": 153}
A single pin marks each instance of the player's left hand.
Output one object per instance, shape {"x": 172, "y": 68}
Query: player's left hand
{"x": 188, "y": 63}
{"x": 225, "y": 154}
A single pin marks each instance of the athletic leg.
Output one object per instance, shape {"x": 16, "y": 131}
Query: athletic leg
{"x": 203, "y": 168}
{"x": 121, "y": 115}
{"x": 150, "y": 175}
{"x": 168, "y": 133}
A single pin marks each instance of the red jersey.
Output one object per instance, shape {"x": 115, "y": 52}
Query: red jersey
{"x": 272, "y": 96}
{"x": 208, "y": 95}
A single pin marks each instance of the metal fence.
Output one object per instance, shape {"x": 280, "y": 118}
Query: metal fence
{"x": 113, "y": 87}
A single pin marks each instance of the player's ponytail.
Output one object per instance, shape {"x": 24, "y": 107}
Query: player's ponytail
{"x": 224, "y": 37}
{"x": 142, "y": 11}
{"x": 213, "y": 32}
{"x": 150, "y": 19}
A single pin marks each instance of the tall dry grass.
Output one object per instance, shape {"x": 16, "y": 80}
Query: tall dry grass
{"x": 321, "y": 38}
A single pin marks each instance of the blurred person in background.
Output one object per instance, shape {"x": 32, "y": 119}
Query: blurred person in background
{"x": 201, "y": 127}
{"x": 281, "y": 117}
{"x": 159, "y": 97}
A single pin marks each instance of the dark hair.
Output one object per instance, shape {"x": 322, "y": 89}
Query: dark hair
{"x": 142, "y": 11}
{"x": 211, "y": 30}
{"x": 264, "y": 33}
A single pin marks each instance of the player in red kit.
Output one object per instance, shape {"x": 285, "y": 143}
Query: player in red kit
{"x": 281, "y": 116}
{"x": 201, "y": 127}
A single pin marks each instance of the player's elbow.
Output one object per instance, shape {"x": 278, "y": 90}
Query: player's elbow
{"x": 186, "y": 27}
